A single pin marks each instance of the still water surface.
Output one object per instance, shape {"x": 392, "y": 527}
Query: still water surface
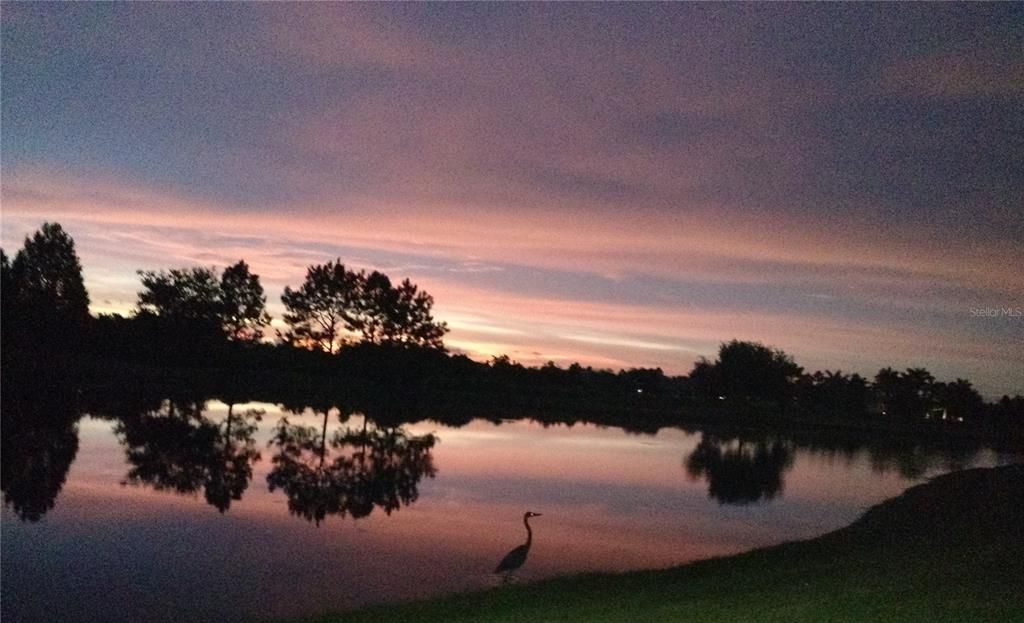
{"x": 172, "y": 516}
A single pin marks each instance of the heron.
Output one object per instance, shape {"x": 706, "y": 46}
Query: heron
{"x": 515, "y": 559}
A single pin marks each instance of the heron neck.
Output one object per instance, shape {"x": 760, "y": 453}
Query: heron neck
{"x": 529, "y": 533}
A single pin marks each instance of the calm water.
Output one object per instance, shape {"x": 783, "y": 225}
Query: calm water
{"x": 170, "y": 516}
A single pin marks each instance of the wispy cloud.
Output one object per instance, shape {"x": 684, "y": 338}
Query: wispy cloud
{"x": 623, "y": 184}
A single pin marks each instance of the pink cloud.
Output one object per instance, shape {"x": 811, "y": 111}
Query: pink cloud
{"x": 121, "y": 228}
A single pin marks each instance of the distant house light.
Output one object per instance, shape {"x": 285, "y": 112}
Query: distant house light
{"x": 639, "y": 390}
{"x": 721, "y": 397}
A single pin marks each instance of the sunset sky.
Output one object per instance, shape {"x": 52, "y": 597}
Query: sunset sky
{"x": 622, "y": 185}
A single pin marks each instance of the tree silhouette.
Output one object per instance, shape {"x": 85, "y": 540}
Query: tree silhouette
{"x": 398, "y": 315}
{"x": 47, "y": 275}
{"x": 188, "y": 296}
{"x": 243, "y": 313}
{"x": 9, "y": 294}
{"x": 198, "y": 302}
{"x": 747, "y": 370}
{"x": 414, "y": 319}
{"x": 908, "y": 395}
{"x": 378, "y": 309}
{"x": 1008, "y": 415}
{"x": 919, "y": 389}
{"x": 960, "y": 400}
{"x": 323, "y": 308}
{"x": 886, "y": 389}
{"x": 834, "y": 394}
{"x": 43, "y": 291}
{"x": 8, "y": 313}
{"x": 334, "y": 303}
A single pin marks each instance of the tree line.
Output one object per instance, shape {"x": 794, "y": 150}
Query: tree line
{"x": 751, "y": 372}
{"x": 362, "y": 325}
{"x": 45, "y": 298}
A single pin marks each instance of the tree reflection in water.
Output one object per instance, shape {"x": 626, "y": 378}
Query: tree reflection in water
{"x": 172, "y": 444}
{"x": 748, "y": 467}
{"x": 740, "y": 471}
{"x": 39, "y": 443}
{"x": 177, "y": 448}
{"x": 352, "y": 471}
{"x": 235, "y": 453}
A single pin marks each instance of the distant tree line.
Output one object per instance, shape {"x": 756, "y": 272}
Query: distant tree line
{"x": 344, "y": 323}
{"x": 748, "y": 372}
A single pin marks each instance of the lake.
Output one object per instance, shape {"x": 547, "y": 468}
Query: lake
{"x": 179, "y": 512}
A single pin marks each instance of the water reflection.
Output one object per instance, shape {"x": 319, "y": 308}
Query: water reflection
{"x": 350, "y": 472}
{"x": 173, "y": 443}
{"x": 740, "y": 471}
{"x": 612, "y": 500}
{"x": 177, "y": 448}
{"x": 747, "y": 467}
{"x": 913, "y": 461}
{"x": 39, "y": 443}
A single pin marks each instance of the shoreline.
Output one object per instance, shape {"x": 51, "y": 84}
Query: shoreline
{"x": 950, "y": 549}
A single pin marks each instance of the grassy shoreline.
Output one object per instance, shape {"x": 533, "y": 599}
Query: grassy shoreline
{"x": 951, "y": 549}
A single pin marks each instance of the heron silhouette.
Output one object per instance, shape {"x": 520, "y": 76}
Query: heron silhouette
{"x": 515, "y": 559}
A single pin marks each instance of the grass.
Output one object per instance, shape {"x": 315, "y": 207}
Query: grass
{"x": 950, "y": 550}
